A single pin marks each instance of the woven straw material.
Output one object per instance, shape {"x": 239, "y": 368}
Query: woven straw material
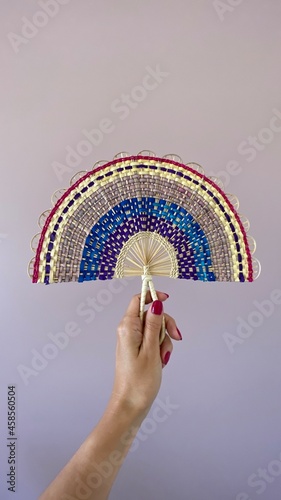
{"x": 110, "y": 212}
{"x": 143, "y": 216}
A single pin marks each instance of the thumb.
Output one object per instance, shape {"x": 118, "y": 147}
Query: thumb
{"x": 152, "y": 327}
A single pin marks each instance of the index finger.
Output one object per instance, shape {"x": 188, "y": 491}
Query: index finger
{"x": 134, "y": 306}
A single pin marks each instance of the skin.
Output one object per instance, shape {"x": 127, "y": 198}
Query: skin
{"x": 92, "y": 470}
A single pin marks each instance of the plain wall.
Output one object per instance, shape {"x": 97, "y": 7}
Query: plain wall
{"x": 219, "y": 89}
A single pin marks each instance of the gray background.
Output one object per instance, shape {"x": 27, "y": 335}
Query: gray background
{"x": 221, "y": 87}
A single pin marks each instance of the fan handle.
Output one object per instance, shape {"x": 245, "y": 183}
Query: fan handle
{"x": 148, "y": 283}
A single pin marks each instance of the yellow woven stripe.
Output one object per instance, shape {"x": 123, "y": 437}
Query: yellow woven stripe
{"x": 140, "y": 171}
{"x": 144, "y": 171}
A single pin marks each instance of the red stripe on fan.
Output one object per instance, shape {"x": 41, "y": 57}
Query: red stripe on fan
{"x": 132, "y": 158}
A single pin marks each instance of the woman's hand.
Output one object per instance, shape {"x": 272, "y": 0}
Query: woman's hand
{"x": 139, "y": 357}
{"x": 139, "y": 362}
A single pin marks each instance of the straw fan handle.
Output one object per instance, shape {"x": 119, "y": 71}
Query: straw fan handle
{"x": 148, "y": 283}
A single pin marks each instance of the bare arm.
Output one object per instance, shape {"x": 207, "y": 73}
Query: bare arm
{"x": 92, "y": 470}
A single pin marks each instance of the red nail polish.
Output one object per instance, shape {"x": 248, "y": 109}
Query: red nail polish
{"x": 166, "y": 295}
{"x": 157, "y": 307}
{"x": 167, "y": 357}
{"x": 180, "y": 335}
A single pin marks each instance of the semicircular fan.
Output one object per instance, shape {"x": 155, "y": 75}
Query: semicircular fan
{"x": 143, "y": 216}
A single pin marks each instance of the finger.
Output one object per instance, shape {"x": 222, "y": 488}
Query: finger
{"x": 152, "y": 327}
{"x": 166, "y": 350}
{"x": 172, "y": 328}
{"x": 134, "y": 306}
{"x": 129, "y": 333}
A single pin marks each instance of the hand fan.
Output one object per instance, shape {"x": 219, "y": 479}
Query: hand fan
{"x": 143, "y": 216}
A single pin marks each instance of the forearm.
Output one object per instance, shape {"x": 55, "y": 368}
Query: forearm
{"x": 96, "y": 463}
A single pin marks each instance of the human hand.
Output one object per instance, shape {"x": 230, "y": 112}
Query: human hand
{"x": 139, "y": 362}
{"x": 139, "y": 357}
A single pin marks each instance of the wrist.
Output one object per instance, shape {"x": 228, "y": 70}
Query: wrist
{"x": 126, "y": 409}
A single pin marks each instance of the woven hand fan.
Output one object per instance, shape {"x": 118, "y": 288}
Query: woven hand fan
{"x": 143, "y": 216}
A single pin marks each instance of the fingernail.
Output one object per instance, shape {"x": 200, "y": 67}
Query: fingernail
{"x": 157, "y": 307}
{"x": 167, "y": 357}
{"x": 180, "y": 335}
{"x": 166, "y": 295}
